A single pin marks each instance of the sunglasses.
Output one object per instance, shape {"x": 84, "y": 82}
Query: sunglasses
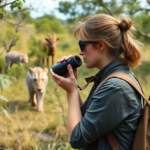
{"x": 83, "y": 43}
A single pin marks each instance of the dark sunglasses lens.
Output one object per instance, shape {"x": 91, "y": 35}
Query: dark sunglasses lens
{"x": 81, "y": 47}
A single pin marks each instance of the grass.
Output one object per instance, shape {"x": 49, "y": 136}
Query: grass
{"x": 24, "y": 127}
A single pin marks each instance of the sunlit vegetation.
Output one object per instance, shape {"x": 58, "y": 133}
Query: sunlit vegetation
{"x": 24, "y": 128}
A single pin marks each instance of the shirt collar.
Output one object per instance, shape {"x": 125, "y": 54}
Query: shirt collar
{"x": 113, "y": 66}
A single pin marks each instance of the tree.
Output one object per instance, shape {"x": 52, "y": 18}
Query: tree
{"x": 48, "y": 24}
{"x": 10, "y": 37}
{"x": 132, "y": 8}
{"x": 14, "y": 4}
{"x": 11, "y": 28}
{"x": 35, "y": 46}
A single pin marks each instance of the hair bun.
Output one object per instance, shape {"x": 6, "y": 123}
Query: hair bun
{"x": 126, "y": 24}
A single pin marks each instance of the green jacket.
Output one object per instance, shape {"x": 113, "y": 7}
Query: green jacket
{"x": 115, "y": 107}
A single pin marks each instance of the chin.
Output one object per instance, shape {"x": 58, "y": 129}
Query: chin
{"x": 89, "y": 66}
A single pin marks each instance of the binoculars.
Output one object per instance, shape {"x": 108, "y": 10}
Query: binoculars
{"x": 61, "y": 68}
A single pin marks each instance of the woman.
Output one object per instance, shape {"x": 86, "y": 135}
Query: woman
{"x": 106, "y": 44}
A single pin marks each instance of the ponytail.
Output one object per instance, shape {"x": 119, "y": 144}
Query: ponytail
{"x": 130, "y": 47}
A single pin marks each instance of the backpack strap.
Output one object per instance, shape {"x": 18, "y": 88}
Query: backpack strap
{"x": 131, "y": 81}
{"x": 127, "y": 78}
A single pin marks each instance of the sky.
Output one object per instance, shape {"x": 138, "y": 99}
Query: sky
{"x": 42, "y": 7}
{"x": 49, "y": 6}
{"x": 45, "y": 6}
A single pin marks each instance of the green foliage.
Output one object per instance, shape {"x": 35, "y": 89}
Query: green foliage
{"x": 64, "y": 7}
{"x": 68, "y": 147}
{"x": 4, "y": 111}
{"x": 16, "y": 71}
{"x": 2, "y": 64}
{"x": 35, "y": 47}
{"x": 24, "y": 120}
{"x": 59, "y": 146}
{"x": 4, "y": 81}
{"x": 48, "y": 24}
{"x": 9, "y": 34}
{"x": 24, "y": 14}
{"x": 143, "y": 71}
{"x": 63, "y": 45}
{"x": 3, "y": 98}
{"x": 142, "y": 23}
{"x": 17, "y": 4}
{"x": 4, "y": 84}
{"x": 134, "y": 9}
{"x": 29, "y": 19}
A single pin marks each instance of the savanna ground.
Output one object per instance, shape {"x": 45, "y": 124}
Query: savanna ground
{"x": 24, "y": 127}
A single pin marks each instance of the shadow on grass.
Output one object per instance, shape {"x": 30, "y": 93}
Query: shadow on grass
{"x": 15, "y": 106}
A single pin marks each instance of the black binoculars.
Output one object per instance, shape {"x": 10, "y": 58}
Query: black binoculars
{"x": 61, "y": 68}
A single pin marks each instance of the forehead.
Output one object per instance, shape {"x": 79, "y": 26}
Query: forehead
{"x": 52, "y": 39}
{"x": 25, "y": 56}
{"x": 38, "y": 75}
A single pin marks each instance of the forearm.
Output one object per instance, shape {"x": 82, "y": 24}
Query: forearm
{"x": 74, "y": 111}
{"x": 81, "y": 101}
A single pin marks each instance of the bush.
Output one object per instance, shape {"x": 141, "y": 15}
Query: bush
{"x": 50, "y": 25}
{"x": 63, "y": 45}
{"x": 2, "y": 65}
{"x": 16, "y": 71}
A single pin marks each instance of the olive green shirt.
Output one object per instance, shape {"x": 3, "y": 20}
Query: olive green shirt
{"x": 116, "y": 107}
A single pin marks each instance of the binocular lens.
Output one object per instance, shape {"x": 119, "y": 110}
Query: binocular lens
{"x": 61, "y": 68}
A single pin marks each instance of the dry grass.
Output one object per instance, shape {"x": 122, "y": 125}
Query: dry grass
{"x": 24, "y": 126}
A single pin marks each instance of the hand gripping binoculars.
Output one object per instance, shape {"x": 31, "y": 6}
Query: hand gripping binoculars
{"x": 61, "y": 68}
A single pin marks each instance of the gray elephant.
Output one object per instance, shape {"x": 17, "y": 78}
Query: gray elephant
{"x": 15, "y": 57}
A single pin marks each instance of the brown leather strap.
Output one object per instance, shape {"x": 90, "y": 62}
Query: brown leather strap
{"x": 126, "y": 78}
{"x": 88, "y": 80}
{"x": 112, "y": 141}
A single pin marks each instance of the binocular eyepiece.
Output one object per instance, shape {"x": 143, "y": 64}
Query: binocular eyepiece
{"x": 61, "y": 68}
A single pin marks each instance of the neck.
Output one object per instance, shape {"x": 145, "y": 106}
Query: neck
{"x": 105, "y": 61}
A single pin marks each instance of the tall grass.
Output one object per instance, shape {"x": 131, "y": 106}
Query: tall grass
{"x": 24, "y": 127}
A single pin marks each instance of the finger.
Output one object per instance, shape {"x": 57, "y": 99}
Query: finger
{"x": 66, "y": 75}
{"x": 55, "y": 76}
{"x": 70, "y": 70}
{"x": 62, "y": 59}
{"x": 66, "y": 58}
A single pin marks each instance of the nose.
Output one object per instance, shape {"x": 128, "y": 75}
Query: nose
{"x": 80, "y": 52}
{"x": 39, "y": 90}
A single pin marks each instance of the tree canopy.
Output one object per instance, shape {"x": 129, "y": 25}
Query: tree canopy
{"x": 139, "y": 11}
{"x": 48, "y": 23}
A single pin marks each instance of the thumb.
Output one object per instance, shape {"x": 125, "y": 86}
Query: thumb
{"x": 70, "y": 70}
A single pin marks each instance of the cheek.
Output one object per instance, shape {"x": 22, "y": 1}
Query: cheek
{"x": 90, "y": 51}
{"x": 31, "y": 81}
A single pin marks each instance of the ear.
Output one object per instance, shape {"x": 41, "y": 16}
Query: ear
{"x": 46, "y": 39}
{"x": 45, "y": 70}
{"x": 31, "y": 70}
{"x": 101, "y": 46}
{"x": 57, "y": 39}
{"x": 49, "y": 36}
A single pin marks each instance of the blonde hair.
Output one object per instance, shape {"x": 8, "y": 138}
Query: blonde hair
{"x": 117, "y": 36}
